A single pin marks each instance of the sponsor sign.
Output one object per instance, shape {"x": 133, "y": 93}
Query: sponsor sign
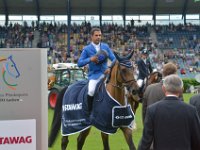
{"x": 71, "y": 107}
{"x": 18, "y": 135}
{"x": 122, "y": 116}
{"x": 23, "y": 96}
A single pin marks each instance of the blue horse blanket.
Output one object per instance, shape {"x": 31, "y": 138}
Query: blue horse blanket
{"x": 75, "y": 115}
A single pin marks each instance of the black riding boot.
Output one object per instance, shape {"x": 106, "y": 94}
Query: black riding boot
{"x": 90, "y": 102}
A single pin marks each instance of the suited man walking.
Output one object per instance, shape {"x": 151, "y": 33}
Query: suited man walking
{"x": 195, "y": 101}
{"x": 154, "y": 92}
{"x": 170, "y": 123}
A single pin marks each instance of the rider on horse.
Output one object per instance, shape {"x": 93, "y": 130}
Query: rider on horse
{"x": 144, "y": 68}
{"x": 95, "y": 54}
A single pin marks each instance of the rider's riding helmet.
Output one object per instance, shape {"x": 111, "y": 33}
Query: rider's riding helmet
{"x": 145, "y": 51}
{"x": 102, "y": 56}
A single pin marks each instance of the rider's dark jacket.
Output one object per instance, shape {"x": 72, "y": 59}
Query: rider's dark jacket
{"x": 144, "y": 68}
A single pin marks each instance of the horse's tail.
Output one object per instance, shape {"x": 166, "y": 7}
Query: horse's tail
{"x": 56, "y": 122}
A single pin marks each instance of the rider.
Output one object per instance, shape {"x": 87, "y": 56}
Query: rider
{"x": 95, "y": 55}
{"x": 144, "y": 68}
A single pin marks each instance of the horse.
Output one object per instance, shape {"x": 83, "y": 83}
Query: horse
{"x": 121, "y": 86}
{"x": 9, "y": 71}
{"x": 153, "y": 77}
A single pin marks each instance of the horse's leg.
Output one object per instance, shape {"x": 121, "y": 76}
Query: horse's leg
{"x": 105, "y": 139}
{"x": 81, "y": 138}
{"x": 64, "y": 143}
{"x": 128, "y": 136}
{"x": 133, "y": 101}
{"x": 136, "y": 105}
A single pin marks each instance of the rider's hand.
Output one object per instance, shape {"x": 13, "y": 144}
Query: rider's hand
{"x": 94, "y": 59}
{"x": 107, "y": 71}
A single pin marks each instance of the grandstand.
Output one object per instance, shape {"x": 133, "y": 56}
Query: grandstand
{"x": 127, "y": 24}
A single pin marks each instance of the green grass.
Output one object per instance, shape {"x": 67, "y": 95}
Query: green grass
{"x": 117, "y": 140}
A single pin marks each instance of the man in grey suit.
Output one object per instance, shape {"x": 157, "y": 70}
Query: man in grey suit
{"x": 153, "y": 92}
{"x": 195, "y": 101}
{"x": 170, "y": 123}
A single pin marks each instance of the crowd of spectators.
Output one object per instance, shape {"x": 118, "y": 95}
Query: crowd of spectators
{"x": 54, "y": 36}
{"x": 16, "y": 36}
{"x": 180, "y": 36}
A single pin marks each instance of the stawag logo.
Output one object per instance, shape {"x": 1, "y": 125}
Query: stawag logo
{"x": 71, "y": 107}
{"x": 16, "y": 140}
{"x": 9, "y": 72}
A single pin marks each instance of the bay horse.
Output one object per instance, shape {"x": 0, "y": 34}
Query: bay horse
{"x": 121, "y": 86}
{"x": 153, "y": 77}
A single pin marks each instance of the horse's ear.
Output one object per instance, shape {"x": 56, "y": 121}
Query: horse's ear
{"x": 156, "y": 77}
{"x": 116, "y": 55}
{"x": 130, "y": 55}
{"x": 127, "y": 57}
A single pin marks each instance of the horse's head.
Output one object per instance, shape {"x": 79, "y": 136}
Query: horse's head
{"x": 124, "y": 74}
{"x": 154, "y": 77}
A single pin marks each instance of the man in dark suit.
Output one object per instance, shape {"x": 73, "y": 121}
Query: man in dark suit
{"x": 170, "y": 123}
{"x": 144, "y": 68}
{"x": 195, "y": 101}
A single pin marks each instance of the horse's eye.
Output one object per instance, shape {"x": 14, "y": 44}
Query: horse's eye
{"x": 12, "y": 65}
{"x": 134, "y": 92}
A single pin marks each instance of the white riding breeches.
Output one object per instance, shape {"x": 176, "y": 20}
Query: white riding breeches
{"x": 140, "y": 82}
{"x": 92, "y": 85}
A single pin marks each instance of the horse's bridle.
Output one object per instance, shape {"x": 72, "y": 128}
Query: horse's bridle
{"x": 122, "y": 76}
{"x": 127, "y": 64}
